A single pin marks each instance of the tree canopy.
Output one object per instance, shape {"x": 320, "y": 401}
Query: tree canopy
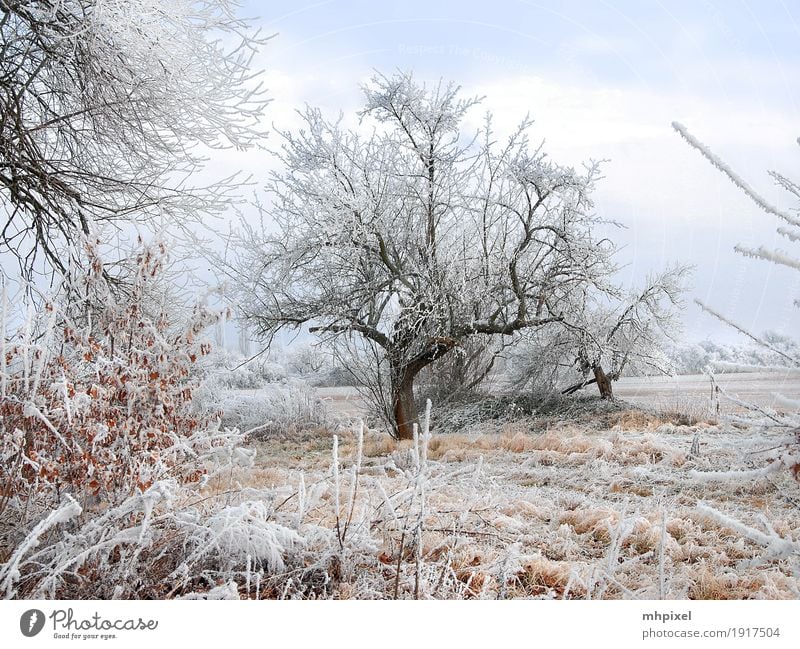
{"x": 413, "y": 233}
{"x": 106, "y": 109}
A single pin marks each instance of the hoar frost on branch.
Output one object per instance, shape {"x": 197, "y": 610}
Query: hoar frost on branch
{"x": 106, "y": 109}
{"x": 792, "y": 233}
{"x": 785, "y": 450}
{"x": 609, "y": 331}
{"x": 413, "y": 235}
{"x": 102, "y": 406}
{"x": 103, "y": 457}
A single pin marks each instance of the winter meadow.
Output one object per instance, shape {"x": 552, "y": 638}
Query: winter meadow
{"x": 391, "y": 344}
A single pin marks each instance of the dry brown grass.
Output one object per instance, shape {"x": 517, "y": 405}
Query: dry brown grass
{"x": 379, "y": 445}
{"x": 678, "y": 528}
{"x": 514, "y": 439}
{"x": 599, "y": 523}
{"x": 710, "y": 584}
{"x": 472, "y": 566}
{"x": 645, "y": 537}
{"x": 628, "y": 487}
{"x": 560, "y": 493}
{"x": 543, "y": 577}
{"x": 641, "y": 420}
{"x": 563, "y": 446}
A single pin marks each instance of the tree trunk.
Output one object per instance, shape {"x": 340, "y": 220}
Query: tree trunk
{"x": 603, "y": 382}
{"x": 403, "y": 372}
{"x": 403, "y": 407}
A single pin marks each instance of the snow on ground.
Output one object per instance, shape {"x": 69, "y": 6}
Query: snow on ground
{"x": 694, "y": 392}
{"x": 612, "y": 506}
{"x": 690, "y": 393}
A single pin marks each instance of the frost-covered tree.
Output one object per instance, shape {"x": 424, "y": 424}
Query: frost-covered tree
{"x": 609, "y": 332}
{"x": 106, "y": 108}
{"x": 414, "y": 234}
{"x": 630, "y": 333}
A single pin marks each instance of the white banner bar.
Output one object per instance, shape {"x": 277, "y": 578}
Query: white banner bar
{"x": 404, "y": 624}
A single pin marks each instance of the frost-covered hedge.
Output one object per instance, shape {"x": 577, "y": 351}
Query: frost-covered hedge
{"x": 96, "y": 396}
{"x": 285, "y": 406}
{"x": 257, "y": 396}
{"x": 229, "y": 371}
{"x": 103, "y": 458}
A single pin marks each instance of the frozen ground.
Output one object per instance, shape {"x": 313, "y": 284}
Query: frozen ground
{"x": 613, "y": 505}
{"x": 691, "y": 394}
{"x": 694, "y": 392}
{"x": 343, "y": 400}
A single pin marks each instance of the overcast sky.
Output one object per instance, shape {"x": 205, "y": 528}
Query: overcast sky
{"x": 602, "y": 80}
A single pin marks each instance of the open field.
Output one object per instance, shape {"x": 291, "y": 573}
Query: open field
{"x": 574, "y": 498}
{"x": 694, "y": 391}
{"x": 691, "y": 393}
{"x": 614, "y": 503}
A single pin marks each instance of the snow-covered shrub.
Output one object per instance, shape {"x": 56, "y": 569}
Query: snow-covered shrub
{"x": 168, "y": 541}
{"x": 244, "y": 533}
{"x": 286, "y": 406}
{"x": 303, "y": 359}
{"x": 226, "y": 370}
{"x": 694, "y": 358}
{"x": 96, "y": 397}
{"x": 103, "y": 457}
{"x": 335, "y": 377}
{"x": 317, "y": 365}
{"x": 257, "y": 396}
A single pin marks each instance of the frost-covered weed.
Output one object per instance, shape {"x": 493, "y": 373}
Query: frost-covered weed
{"x": 228, "y": 371}
{"x": 104, "y": 458}
{"x": 287, "y": 406}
